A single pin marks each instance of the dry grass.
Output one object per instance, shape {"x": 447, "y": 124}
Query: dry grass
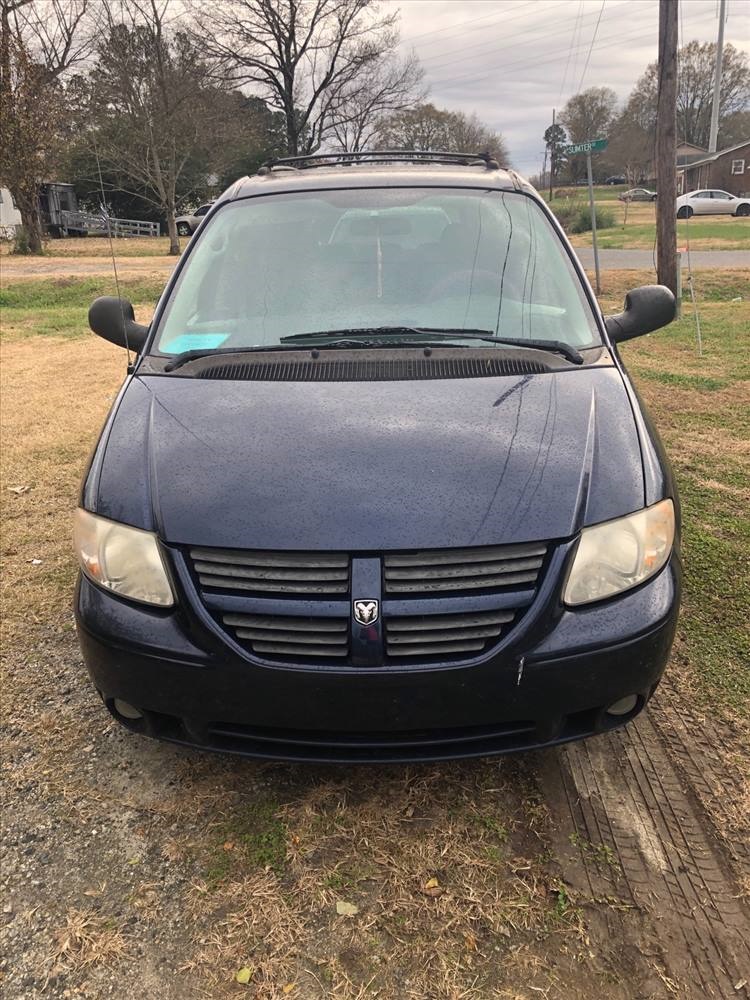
{"x": 54, "y": 398}
{"x": 86, "y": 939}
{"x": 447, "y": 876}
{"x": 97, "y": 246}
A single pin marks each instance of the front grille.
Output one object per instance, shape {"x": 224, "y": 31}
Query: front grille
{"x": 435, "y": 635}
{"x": 288, "y": 637}
{"x": 278, "y": 573}
{"x": 371, "y": 370}
{"x": 458, "y": 570}
{"x": 437, "y": 606}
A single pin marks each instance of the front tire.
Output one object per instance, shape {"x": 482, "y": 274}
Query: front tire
{"x": 743, "y": 210}
{"x": 183, "y": 229}
{"x": 685, "y": 212}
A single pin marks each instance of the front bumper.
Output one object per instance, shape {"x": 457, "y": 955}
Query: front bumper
{"x": 543, "y": 689}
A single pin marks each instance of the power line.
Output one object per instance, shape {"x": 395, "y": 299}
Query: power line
{"x": 532, "y": 30}
{"x": 497, "y": 72}
{"x": 485, "y": 44}
{"x": 457, "y": 28}
{"x": 593, "y": 39}
{"x": 570, "y": 48}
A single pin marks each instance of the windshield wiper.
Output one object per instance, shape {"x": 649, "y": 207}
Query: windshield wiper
{"x": 438, "y": 333}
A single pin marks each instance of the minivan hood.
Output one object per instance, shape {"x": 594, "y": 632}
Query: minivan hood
{"x": 370, "y": 466}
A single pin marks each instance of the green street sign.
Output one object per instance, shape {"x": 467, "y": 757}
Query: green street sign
{"x": 592, "y": 146}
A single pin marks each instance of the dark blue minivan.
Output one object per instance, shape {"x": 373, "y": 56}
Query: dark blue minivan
{"x": 377, "y": 486}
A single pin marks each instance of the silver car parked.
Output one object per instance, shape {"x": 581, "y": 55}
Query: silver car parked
{"x": 638, "y": 194}
{"x": 187, "y": 224}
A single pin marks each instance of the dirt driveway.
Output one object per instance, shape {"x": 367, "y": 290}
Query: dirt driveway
{"x": 610, "y": 869}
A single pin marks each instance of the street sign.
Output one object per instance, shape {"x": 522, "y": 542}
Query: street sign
{"x": 592, "y": 146}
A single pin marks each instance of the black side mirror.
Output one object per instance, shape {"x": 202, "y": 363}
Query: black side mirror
{"x": 114, "y": 320}
{"x": 646, "y": 308}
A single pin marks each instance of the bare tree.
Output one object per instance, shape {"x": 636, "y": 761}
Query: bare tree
{"x": 695, "y": 83}
{"x": 392, "y": 86}
{"x": 308, "y": 58}
{"x": 426, "y": 127}
{"x": 152, "y": 106}
{"x": 588, "y": 115}
{"x": 39, "y": 44}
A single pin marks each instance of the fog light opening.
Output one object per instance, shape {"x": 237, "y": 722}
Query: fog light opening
{"x": 126, "y": 710}
{"x": 623, "y": 706}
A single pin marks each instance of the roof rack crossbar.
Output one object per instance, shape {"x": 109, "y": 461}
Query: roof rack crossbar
{"x": 380, "y": 156}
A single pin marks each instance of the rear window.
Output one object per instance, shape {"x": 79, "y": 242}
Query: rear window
{"x": 276, "y": 265}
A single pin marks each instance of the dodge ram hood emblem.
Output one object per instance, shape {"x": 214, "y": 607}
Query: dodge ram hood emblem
{"x": 365, "y": 612}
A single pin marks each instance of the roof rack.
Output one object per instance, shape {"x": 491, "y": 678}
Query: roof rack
{"x": 379, "y": 156}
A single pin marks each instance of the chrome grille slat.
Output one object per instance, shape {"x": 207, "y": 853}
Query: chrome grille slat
{"x": 285, "y": 573}
{"x": 285, "y": 637}
{"x": 443, "y": 635}
{"x": 463, "y": 583}
{"x": 256, "y": 558}
{"x": 436, "y": 635}
{"x": 300, "y": 638}
{"x": 438, "y": 649}
{"x": 272, "y": 574}
{"x": 451, "y": 571}
{"x": 454, "y": 571}
{"x": 287, "y": 624}
{"x": 446, "y": 556}
{"x": 447, "y": 621}
{"x": 270, "y": 586}
{"x": 284, "y": 650}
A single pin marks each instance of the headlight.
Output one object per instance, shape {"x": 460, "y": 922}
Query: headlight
{"x": 618, "y": 555}
{"x": 123, "y": 559}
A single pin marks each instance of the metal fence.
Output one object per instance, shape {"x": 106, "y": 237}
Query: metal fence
{"x": 83, "y": 222}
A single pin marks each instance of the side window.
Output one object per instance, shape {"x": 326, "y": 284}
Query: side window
{"x": 721, "y": 196}
{"x": 702, "y": 194}
{"x": 202, "y": 210}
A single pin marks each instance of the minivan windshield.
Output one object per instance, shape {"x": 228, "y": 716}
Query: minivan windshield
{"x": 269, "y": 267}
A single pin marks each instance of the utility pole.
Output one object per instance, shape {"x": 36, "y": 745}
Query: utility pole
{"x": 666, "y": 145}
{"x": 552, "y": 158}
{"x": 717, "y": 79}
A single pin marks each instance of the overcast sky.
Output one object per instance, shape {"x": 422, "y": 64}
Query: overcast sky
{"x": 512, "y": 61}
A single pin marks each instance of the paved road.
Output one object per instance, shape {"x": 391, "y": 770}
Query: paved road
{"x": 625, "y": 260}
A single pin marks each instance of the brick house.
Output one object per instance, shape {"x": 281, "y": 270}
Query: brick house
{"x": 728, "y": 170}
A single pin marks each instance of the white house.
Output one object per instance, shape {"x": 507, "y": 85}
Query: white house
{"x": 10, "y": 217}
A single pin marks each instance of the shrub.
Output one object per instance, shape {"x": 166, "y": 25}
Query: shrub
{"x": 581, "y": 221}
{"x": 21, "y": 241}
{"x": 575, "y": 217}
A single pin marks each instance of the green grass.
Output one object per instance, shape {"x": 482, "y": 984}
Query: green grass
{"x": 252, "y": 836}
{"x": 59, "y": 306}
{"x": 724, "y": 235}
{"x": 685, "y": 381}
{"x": 701, "y": 405}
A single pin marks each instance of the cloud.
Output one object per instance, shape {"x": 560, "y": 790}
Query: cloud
{"x": 512, "y": 61}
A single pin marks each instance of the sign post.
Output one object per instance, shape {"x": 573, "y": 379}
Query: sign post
{"x": 592, "y": 146}
{"x": 592, "y": 206}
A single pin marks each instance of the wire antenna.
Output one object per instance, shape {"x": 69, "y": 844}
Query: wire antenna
{"x": 107, "y": 221}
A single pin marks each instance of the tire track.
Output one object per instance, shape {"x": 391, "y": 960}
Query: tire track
{"x": 645, "y": 841}
{"x": 694, "y": 744}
